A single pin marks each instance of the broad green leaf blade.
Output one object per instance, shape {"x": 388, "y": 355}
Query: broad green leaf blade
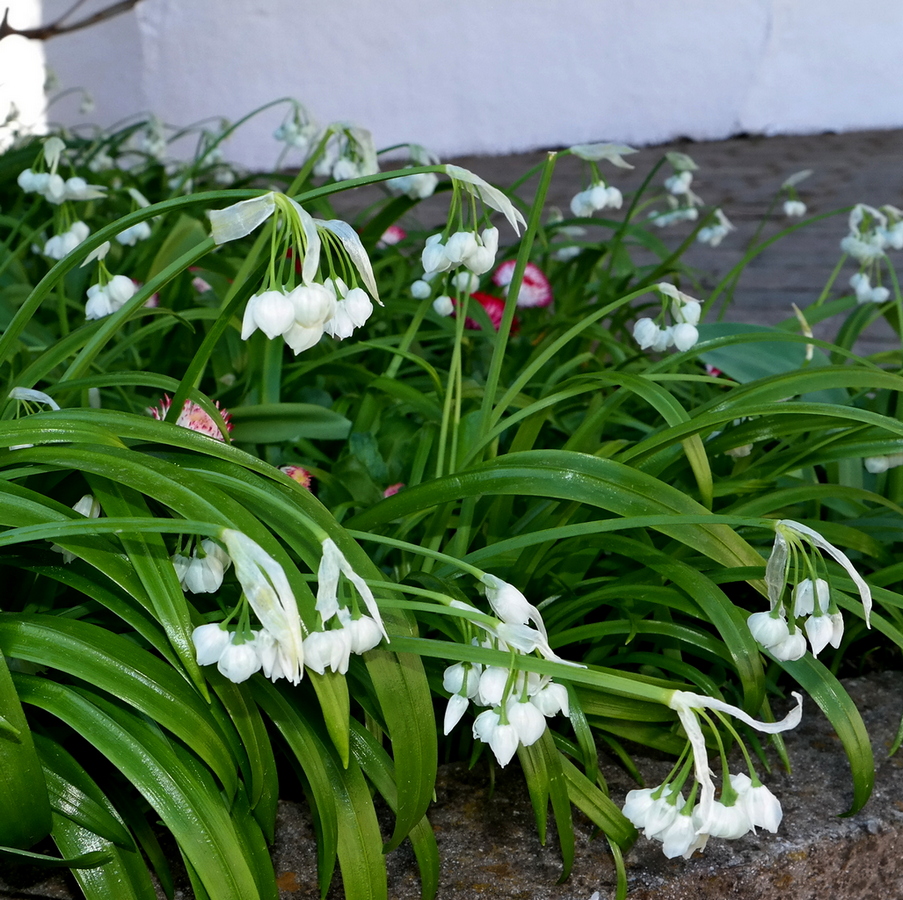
{"x": 600, "y": 809}
{"x": 81, "y": 861}
{"x": 379, "y": 768}
{"x": 114, "y": 664}
{"x": 358, "y": 840}
{"x": 831, "y": 698}
{"x": 75, "y": 797}
{"x": 533, "y": 762}
{"x": 187, "y": 800}
{"x": 151, "y": 561}
{"x": 273, "y": 423}
{"x": 24, "y": 804}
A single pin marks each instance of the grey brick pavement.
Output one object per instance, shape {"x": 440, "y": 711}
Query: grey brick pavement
{"x": 742, "y": 175}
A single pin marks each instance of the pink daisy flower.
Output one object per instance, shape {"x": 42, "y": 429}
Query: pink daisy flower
{"x": 392, "y": 235}
{"x": 299, "y": 474}
{"x": 194, "y": 417}
{"x": 535, "y": 289}
{"x": 495, "y": 308}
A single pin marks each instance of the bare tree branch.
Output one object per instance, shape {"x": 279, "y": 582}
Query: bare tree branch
{"x": 45, "y": 32}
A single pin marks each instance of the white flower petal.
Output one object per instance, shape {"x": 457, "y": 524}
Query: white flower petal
{"x": 865, "y": 592}
{"x": 241, "y": 218}
{"x": 613, "y": 153}
{"x": 355, "y": 249}
{"x": 490, "y": 195}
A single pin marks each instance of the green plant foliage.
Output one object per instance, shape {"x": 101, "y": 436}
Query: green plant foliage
{"x": 543, "y": 501}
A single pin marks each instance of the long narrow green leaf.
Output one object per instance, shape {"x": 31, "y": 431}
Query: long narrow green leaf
{"x": 114, "y": 664}
{"x": 186, "y": 800}
{"x": 342, "y": 800}
{"x": 24, "y": 804}
{"x": 836, "y": 704}
{"x": 378, "y": 767}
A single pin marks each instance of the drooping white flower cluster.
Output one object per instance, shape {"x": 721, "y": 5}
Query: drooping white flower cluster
{"x": 349, "y": 153}
{"x": 468, "y": 247}
{"x": 596, "y": 197}
{"x": 50, "y": 184}
{"x": 279, "y": 648}
{"x": 302, "y": 313}
{"x": 682, "y": 826}
{"x": 518, "y": 701}
{"x": 599, "y": 195}
{"x": 332, "y": 646}
{"x": 878, "y": 464}
{"x": 865, "y": 293}
{"x": 793, "y": 206}
{"x": 204, "y": 570}
{"x": 474, "y": 251}
{"x": 812, "y": 598}
{"x": 682, "y": 334}
{"x": 61, "y": 245}
{"x": 682, "y": 201}
{"x": 713, "y": 235}
{"x": 106, "y": 298}
{"x": 55, "y": 189}
{"x": 299, "y": 130}
{"x": 872, "y": 231}
{"x": 420, "y": 185}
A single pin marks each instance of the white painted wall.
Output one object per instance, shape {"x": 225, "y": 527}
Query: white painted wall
{"x": 22, "y": 71}
{"x": 492, "y": 76}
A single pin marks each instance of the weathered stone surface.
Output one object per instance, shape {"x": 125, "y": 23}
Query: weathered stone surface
{"x": 489, "y": 848}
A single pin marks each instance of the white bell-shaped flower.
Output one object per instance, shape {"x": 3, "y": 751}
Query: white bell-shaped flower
{"x": 527, "y": 720}
{"x": 728, "y": 822}
{"x": 204, "y": 575}
{"x": 314, "y": 305}
{"x": 582, "y": 204}
{"x": 364, "y": 632}
{"x": 791, "y": 648}
{"x": 767, "y": 629}
{"x": 460, "y": 245}
{"x": 680, "y": 837}
{"x": 805, "y": 595}
{"x": 685, "y": 336}
{"x": 443, "y": 305}
{"x": 327, "y": 650}
{"x": 454, "y": 712}
{"x": 492, "y": 686}
{"x": 351, "y": 312}
{"x": 502, "y": 739}
{"x": 434, "y": 258}
{"x": 209, "y": 642}
{"x": 273, "y": 312}
{"x": 664, "y": 339}
{"x": 463, "y": 678}
{"x": 762, "y": 807}
{"x": 613, "y": 197}
{"x": 552, "y": 699}
{"x": 645, "y": 332}
{"x": 238, "y": 662}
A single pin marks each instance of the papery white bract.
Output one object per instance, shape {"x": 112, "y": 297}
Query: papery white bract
{"x": 270, "y": 595}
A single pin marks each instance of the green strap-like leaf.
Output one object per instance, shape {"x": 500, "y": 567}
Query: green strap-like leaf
{"x": 24, "y": 804}
{"x": 187, "y": 800}
{"x": 114, "y": 664}
{"x": 831, "y": 698}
